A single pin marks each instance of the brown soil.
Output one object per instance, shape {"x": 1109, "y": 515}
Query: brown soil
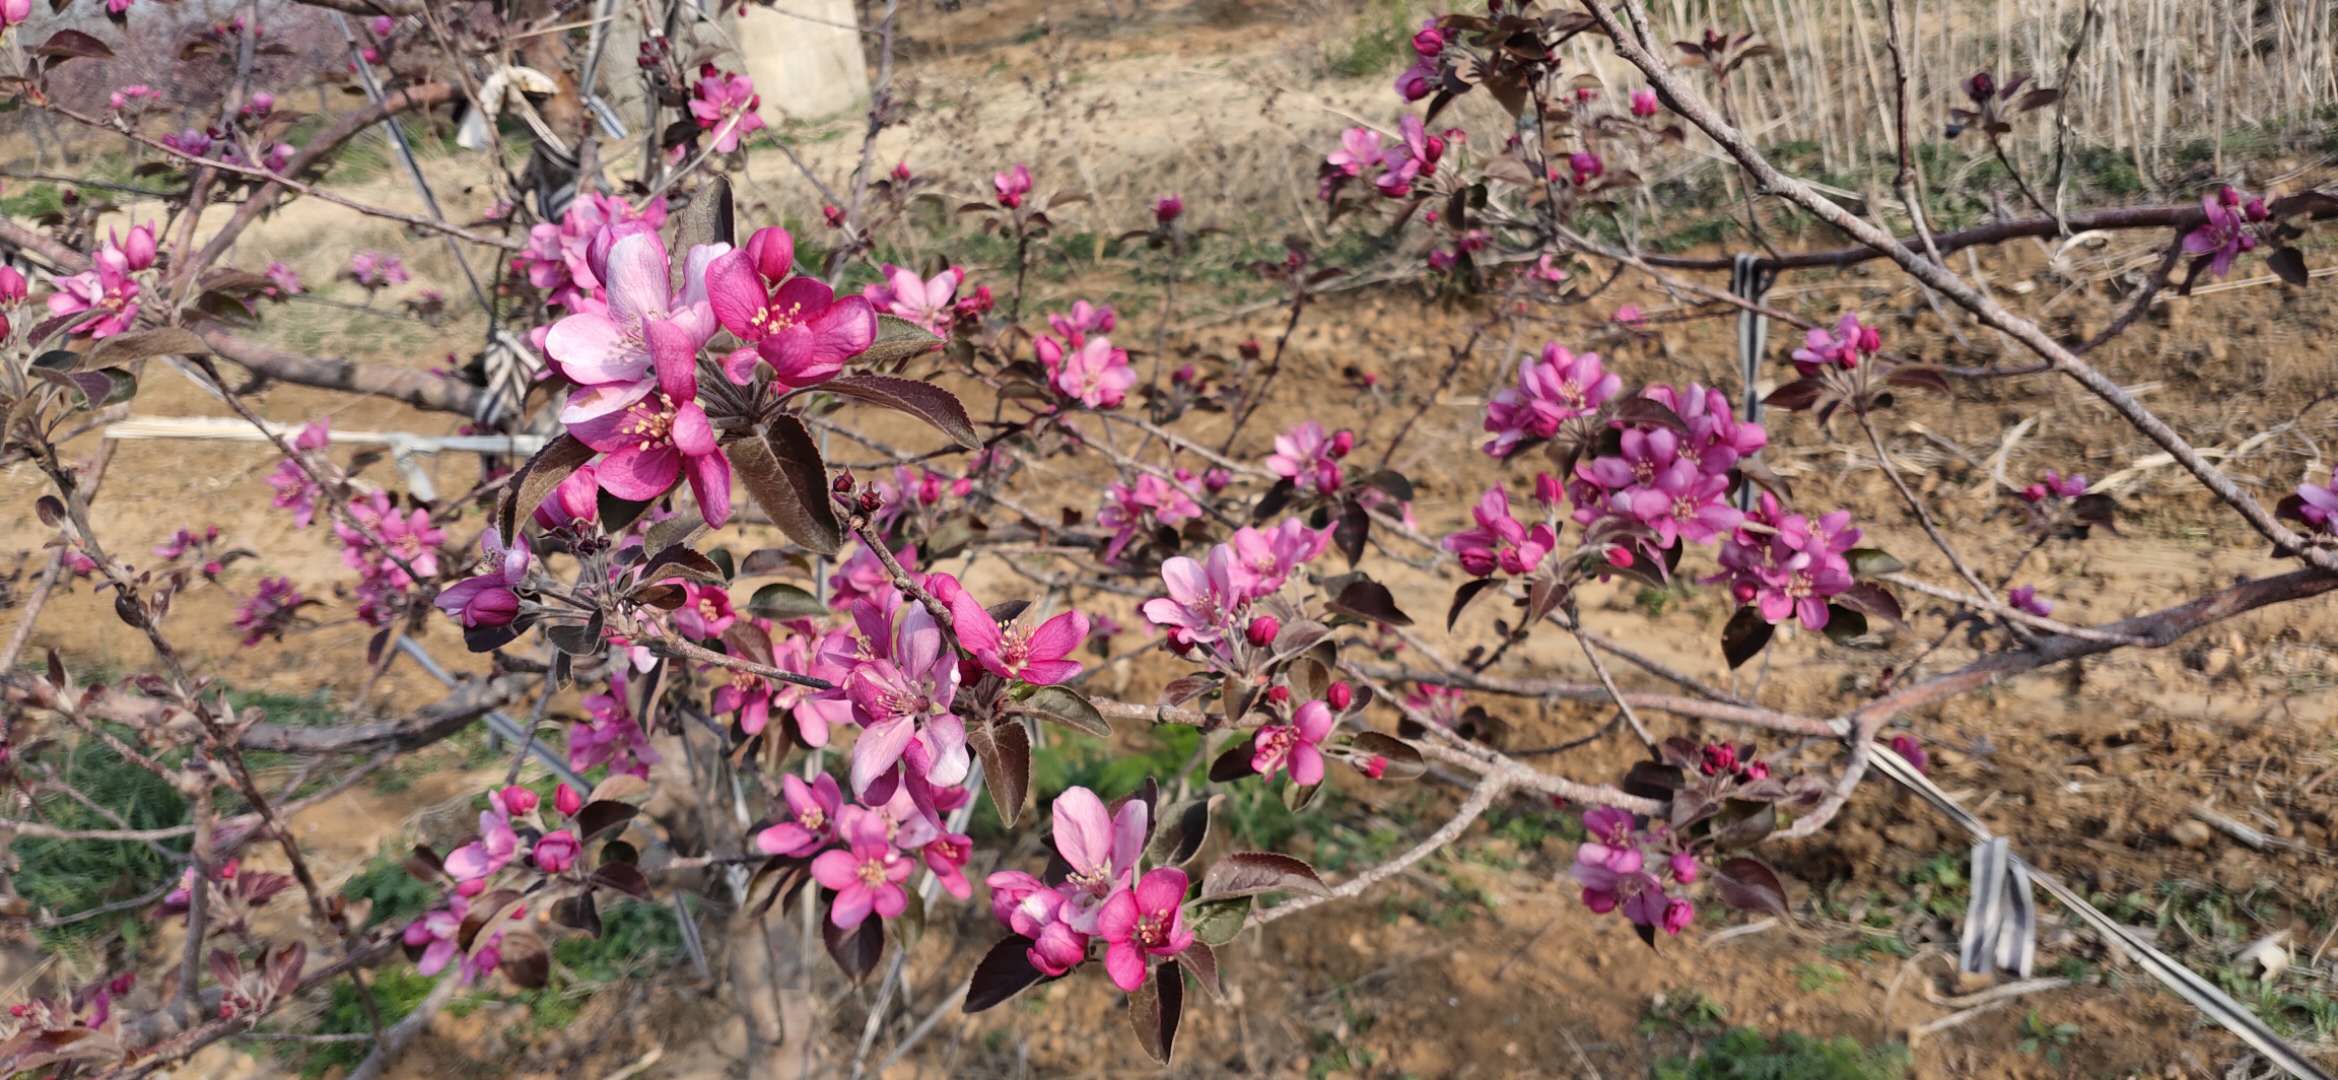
{"x": 1482, "y": 962}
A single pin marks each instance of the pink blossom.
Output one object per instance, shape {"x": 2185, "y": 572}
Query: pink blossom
{"x": 1142, "y": 923}
{"x": 1100, "y": 848}
{"x": 862, "y": 574}
{"x": 1304, "y": 456}
{"x": 1418, "y": 81}
{"x": 1264, "y": 559}
{"x": 574, "y": 499}
{"x": 1294, "y": 745}
{"x": 1585, "y": 166}
{"x": 555, "y": 852}
{"x": 1843, "y": 348}
{"x": 659, "y": 438}
{"x": 867, "y": 874}
{"x": 1095, "y": 374}
{"x": 725, "y": 103}
{"x": 489, "y": 599}
{"x": 296, "y": 490}
{"x": 705, "y": 612}
{"x": 1203, "y": 598}
{"x": 1359, "y": 150}
{"x": 376, "y": 270}
{"x": 946, "y": 856}
{"x": 1012, "y": 185}
{"x": 1551, "y": 390}
{"x": 1150, "y": 501}
{"x": 799, "y": 326}
{"x": 269, "y": 612}
{"x": 107, "y": 287}
{"x": 926, "y": 302}
{"x": 558, "y": 258}
{"x": 2225, "y": 235}
{"x": 1499, "y": 541}
{"x": 282, "y": 281}
{"x": 2026, "y": 598}
{"x": 902, "y": 700}
{"x": 1912, "y": 751}
{"x": 607, "y": 351}
{"x": 612, "y": 737}
{"x": 1685, "y": 503}
{"x": 2318, "y": 504}
{"x": 2053, "y": 484}
{"x": 409, "y": 538}
{"x": 1083, "y": 319}
{"x": 1018, "y": 652}
{"x": 125, "y": 97}
{"x": 813, "y": 810}
{"x": 436, "y": 935}
{"x": 495, "y": 848}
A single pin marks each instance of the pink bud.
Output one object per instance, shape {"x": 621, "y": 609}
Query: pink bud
{"x": 556, "y": 852}
{"x": 1167, "y": 209}
{"x": 1215, "y": 480}
{"x": 1340, "y": 695}
{"x": 566, "y": 800}
{"x": 773, "y": 252}
{"x": 138, "y": 248}
{"x": 1684, "y": 868}
{"x": 1262, "y": 631}
{"x": 1342, "y": 441}
{"x": 1644, "y": 103}
{"x": 1619, "y": 557}
{"x": 901, "y": 171}
{"x": 1183, "y": 376}
{"x": 381, "y": 25}
{"x": 12, "y": 285}
{"x": 517, "y": 800}
{"x": 13, "y": 12}
{"x": 835, "y": 216}
{"x": 1276, "y": 695}
{"x": 1376, "y": 766}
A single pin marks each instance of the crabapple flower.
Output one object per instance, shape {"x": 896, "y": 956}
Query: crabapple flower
{"x": 489, "y": 599}
{"x": 2053, "y": 484}
{"x": 1359, "y": 150}
{"x": 813, "y": 810}
{"x": 866, "y": 874}
{"x": 558, "y": 258}
{"x": 555, "y": 852}
{"x": 612, "y": 736}
{"x": 659, "y": 438}
{"x": 495, "y": 848}
{"x": 1264, "y": 559}
{"x": 1419, "y": 80}
{"x": 2318, "y": 504}
{"x": 1012, "y": 185}
{"x": 1791, "y": 568}
{"x": 1168, "y": 208}
{"x": 946, "y": 856}
{"x": 1203, "y": 598}
{"x": 1305, "y": 456}
{"x": 705, "y": 612}
{"x": 1843, "y": 348}
{"x": 126, "y": 97}
{"x": 1083, "y": 319}
{"x": 574, "y": 499}
{"x": 1294, "y": 745}
{"x": 1128, "y": 510}
{"x": 1644, "y": 104}
{"x": 269, "y": 612}
{"x": 902, "y": 700}
{"x": 1685, "y": 503}
{"x": 1094, "y": 374}
{"x": 1912, "y": 751}
{"x": 1585, "y": 166}
{"x": 607, "y": 351}
{"x": 376, "y": 270}
{"x": 1500, "y": 541}
{"x": 2225, "y": 235}
{"x": 725, "y": 103}
{"x": 436, "y": 936}
{"x": 1018, "y": 652}
{"x": 566, "y": 799}
{"x": 924, "y": 301}
{"x": 1558, "y": 387}
{"x": 2026, "y": 598}
{"x": 1144, "y": 923}
{"x": 796, "y": 324}
{"x": 1100, "y": 847}
{"x": 107, "y": 287}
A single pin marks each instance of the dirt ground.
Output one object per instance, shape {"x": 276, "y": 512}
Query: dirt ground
{"x": 1482, "y": 962}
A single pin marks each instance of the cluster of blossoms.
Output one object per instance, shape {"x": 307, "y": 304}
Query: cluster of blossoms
{"x": 1842, "y": 348}
{"x": 1210, "y": 601}
{"x": 296, "y": 489}
{"x": 1012, "y": 185}
{"x": 1139, "y": 918}
{"x": 2051, "y": 484}
{"x": 376, "y": 270}
{"x": 2226, "y": 234}
{"x": 1309, "y": 458}
{"x": 512, "y": 834}
{"x": 1674, "y": 483}
{"x": 1788, "y": 566}
{"x": 1500, "y": 541}
{"x": 1551, "y": 390}
{"x": 558, "y": 258}
{"x": 1420, "y": 80}
{"x": 91, "y": 1008}
{"x": 1392, "y": 169}
{"x": 204, "y": 546}
{"x": 1296, "y": 745}
{"x": 1151, "y": 502}
{"x": 724, "y": 103}
{"x": 610, "y": 735}
{"x": 107, "y": 293}
{"x": 269, "y": 612}
{"x": 406, "y": 552}
{"x": 1623, "y": 864}
{"x": 1081, "y": 362}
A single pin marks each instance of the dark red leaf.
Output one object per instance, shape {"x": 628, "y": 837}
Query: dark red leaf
{"x": 1003, "y": 973}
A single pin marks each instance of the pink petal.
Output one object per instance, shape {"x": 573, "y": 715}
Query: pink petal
{"x": 637, "y": 279}
{"x": 640, "y": 475}
{"x": 675, "y": 355}
{"x": 977, "y": 631}
{"x": 1118, "y": 920}
{"x": 1161, "y": 890}
{"x": 1057, "y": 637}
{"x": 1049, "y": 672}
{"x": 735, "y": 294}
{"x": 710, "y": 484}
{"x": 1306, "y": 764}
{"x": 852, "y": 906}
{"x": 606, "y": 399}
{"x": 591, "y": 348}
{"x": 879, "y": 748}
{"x": 845, "y": 329}
{"x": 787, "y": 838}
{"x": 691, "y": 434}
{"x": 892, "y": 900}
{"x": 835, "y": 869}
{"x": 1082, "y": 829}
{"x": 1126, "y": 965}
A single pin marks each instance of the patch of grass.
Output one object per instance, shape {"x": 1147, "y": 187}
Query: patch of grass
{"x": 395, "y": 894}
{"x": 1745, "y": 1054}
{"x": 396, "y": 989}
{"x": 2044, "y": 1040}
{"x": 1687, "y": 1012}
{"x": 1817, "y": 978}
{"x": 69, "y": 876}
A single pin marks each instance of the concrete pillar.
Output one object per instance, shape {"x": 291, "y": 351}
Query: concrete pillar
{"x": 805, "y": 57}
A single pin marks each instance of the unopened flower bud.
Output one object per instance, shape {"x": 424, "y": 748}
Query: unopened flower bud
{"x": 843, "y": 484}
{"x": 516, "y": 800}
{"x": 566, "y": 800}
{"x": 1262, "y": 630}
{"x": 1340, "y": 695}
{"x": 1277, "y": 695}
{"x": 1342, "y": 441}
{"x": 1376, "y": 766}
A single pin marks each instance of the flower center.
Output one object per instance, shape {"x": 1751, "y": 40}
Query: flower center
{"x": 1152, "y": 930}
{"x": 651, "y": 421}
{"x": 1093, "y": 880}
{"x": 708, "y": 611}
{"x": 1798, "y": 585}
{"x": 812, "y": 818}
{"x": 872, "y": 872}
